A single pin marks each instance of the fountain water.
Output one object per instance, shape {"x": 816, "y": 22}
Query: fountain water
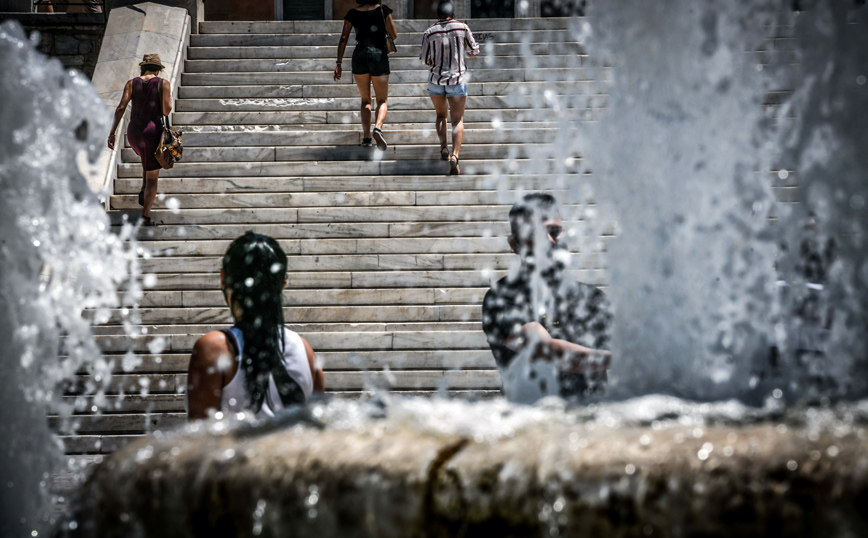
{"x": 681, "y": 159}
{"x": 61, "y": 266}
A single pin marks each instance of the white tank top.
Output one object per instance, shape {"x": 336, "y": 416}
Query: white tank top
{"x": 234, "y": 398}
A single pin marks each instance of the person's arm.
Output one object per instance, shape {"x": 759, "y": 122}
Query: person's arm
{"x": 316, "y": 373}
{"x": 390, "y": 27}
{"x": 574, "y": 357}
{"x": 472, "y": 46}
{"x": 167, "y": 97}
{"x": 119, "y": 112}
{"x": 204, "y": 376}
{"x": 424, "y": 55}
{"x": 342, "y": 47}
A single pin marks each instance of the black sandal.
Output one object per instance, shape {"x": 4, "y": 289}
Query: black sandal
{"x": 142, "y": 197}
{"x": 444, "y": 153}
{"x": 380, "y": 140}
{"x": 367, "y": 142}
{"x": 146, "y": 221}
{"x": 453, "y": 166}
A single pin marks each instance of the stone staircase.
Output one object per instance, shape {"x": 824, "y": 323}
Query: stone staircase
{"x": 389, "y": 257}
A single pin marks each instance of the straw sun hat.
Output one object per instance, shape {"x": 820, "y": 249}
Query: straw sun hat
{"x": 152, "y": 59}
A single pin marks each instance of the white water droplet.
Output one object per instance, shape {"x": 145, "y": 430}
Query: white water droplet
{"x": 173, "y": 205}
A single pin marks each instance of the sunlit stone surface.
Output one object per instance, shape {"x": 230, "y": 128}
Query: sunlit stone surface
{"x": 649, "y": 467}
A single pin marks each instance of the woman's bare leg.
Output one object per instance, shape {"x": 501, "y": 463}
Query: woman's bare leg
{"x": 150, "y": 191}
{"x": 456, "y": 111}
{"x": 381, "y": 88}
{"x": 442, "y": 111}
{"x": 363, "y": 82}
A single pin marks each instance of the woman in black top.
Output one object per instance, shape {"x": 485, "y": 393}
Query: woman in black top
{"x": 370, "y": 61}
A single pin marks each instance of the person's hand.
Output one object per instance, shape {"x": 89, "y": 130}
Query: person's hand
{"x": 111, "y": 142}
{"x": 338, "y": 72}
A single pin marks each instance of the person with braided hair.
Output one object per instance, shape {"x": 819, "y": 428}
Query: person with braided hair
{"x": 258, "y": 365}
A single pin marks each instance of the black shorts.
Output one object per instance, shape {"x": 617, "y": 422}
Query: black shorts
{"x": 370, "y": 60}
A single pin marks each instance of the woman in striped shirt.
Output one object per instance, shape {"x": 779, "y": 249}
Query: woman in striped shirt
{"x": 444, "y": 46}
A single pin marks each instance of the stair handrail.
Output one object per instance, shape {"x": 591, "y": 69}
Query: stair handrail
{"x": 105, "y": 173}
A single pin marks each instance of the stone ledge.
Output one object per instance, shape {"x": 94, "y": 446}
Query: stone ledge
{"x": 489, "y": 469}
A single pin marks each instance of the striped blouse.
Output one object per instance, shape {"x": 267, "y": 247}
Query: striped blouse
{"x": 444, "y": 47}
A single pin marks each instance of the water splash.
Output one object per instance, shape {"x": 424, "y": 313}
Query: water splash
{"x": 61, "y": 266}
{"x": 681, "y": 159}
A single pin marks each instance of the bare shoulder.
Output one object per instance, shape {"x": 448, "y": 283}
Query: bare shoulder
{"x": 210, "y": 346}
{"x": 307, "y": 348}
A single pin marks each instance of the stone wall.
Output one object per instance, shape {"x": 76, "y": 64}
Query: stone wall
{"x": 74, "y": 39}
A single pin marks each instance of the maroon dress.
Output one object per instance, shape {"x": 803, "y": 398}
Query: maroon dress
{"x": 145, "y": 128}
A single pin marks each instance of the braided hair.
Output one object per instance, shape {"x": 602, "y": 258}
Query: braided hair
{"x": 254, "y": 268}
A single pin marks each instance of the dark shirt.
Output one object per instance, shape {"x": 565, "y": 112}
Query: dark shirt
{"x": 574, "y": 311}
{"x": 370, "y": 25}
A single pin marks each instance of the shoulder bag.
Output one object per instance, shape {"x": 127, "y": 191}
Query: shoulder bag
{"x": 390, "y": 43}
{"x": 171, "y": 147}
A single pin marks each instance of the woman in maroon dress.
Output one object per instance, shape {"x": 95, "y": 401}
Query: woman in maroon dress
{"x": 145, "y": 128}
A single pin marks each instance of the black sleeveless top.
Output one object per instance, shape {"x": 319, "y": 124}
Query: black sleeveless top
{"x": 370, "y": 25}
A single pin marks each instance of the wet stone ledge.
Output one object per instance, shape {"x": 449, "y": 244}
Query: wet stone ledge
{"x": 800, "y": 474}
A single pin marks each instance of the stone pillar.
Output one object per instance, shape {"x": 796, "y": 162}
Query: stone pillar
{"x": 462, "y": 9}
{"x": 528, "y": 8}
{"x": 401, "y": 7}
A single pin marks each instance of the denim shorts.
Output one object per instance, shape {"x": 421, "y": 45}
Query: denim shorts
{"x": 450, "y": 90}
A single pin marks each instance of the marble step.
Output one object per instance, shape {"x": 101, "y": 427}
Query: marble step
{"x": 133, "y": 423}
{"x": 367, "y": 279}
{"x": 395, "y": 152}
{"x": 404, "y": 51}
{"x": 352, "y": 136}
{"x": 118, "y": 424}
{"x": 459, "y": 245}
{"x": 349, "y": 262}
{"x": 335, "y": 380}
{"x": 270, "y": 169}
{"x": 351, "y": 104}
{"x": 416, "y": 76}
{"x": 349, "y": 184}
{"x": 295, "y": 65}
{"x": 394, "y": 118}
{"x": 148, "y": 331}
{"x": 428, "y": 230}
{"x": 491, "y": 123}
{"x": 316, "y": 314}
{"x": 361, "y": 168}
{"x": 363, "y": 262}
{"x": 174, "y": 403}
{"x": 96, "y": 444}
{"x": 404, "y": 104}
{"x": 319, "y": 91}
{"x": 127, "y": 403}
{"x": 474, "y": 213}
{"x": 322, "y": 341}
{"x": 326, "y": 199}
{"x": 405, "y": 25}
{"x": 339, "y": 230}
{"x": 330, "y": 39}
{"x": 324, "y": 297}
{"x": 332, "y": 360}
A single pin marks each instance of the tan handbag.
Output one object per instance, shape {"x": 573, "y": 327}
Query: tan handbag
{"x": 390, "y": 43}
{"x": 171, "y": 147}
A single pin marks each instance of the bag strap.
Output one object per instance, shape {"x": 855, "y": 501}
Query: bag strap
{"x": 385, "y": 29}
{"x": 290, "y": 391}
{"x": 164, "y": 119}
